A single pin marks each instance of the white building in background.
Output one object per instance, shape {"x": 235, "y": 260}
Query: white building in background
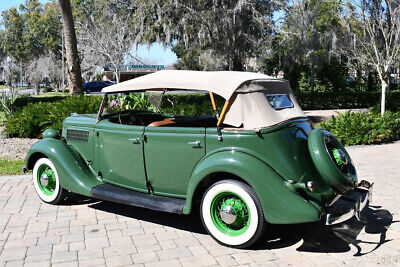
{"x": 129, "y": 72}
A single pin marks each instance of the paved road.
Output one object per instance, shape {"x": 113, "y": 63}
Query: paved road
{"x": 87, "y": 232}
{"x": 21, "y": 92}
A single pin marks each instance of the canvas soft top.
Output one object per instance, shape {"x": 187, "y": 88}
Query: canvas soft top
{"x": 223, "y": 83}
{"x": 244, "y": 92}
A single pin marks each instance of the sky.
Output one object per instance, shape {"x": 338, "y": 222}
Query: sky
{"x": 154, "y": 54}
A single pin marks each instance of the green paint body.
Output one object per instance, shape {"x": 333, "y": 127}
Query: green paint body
{"x": 126, "y": 155}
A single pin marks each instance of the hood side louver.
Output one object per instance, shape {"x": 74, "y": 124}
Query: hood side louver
{"x": 77, "y": 135}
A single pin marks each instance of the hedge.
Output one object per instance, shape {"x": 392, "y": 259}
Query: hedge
{"x": 307, "y": 100}
{"x": 343, "y": 100}
{"x": 32, "y": 119}
{"x": 23, "y": 101}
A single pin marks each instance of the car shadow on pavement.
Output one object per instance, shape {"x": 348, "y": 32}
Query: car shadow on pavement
{"x": 190, "y": 222}
{"x": 318, "y": 238}
{"x": 315, "y": 237}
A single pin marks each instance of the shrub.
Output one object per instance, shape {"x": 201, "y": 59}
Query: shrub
{"x": 7, "y": 102}
{"x": 31, "y": 120}
{"x": 364, "y": 128}
{"x": 47, "y": 89}
{"x": 136, "y": 101}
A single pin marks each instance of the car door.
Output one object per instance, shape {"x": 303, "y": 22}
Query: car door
{"x": 119, "y": 154}
{"x": 171, "y": 154}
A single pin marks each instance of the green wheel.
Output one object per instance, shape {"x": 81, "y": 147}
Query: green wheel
{"x": 332, "y": 161}
{"x": 47, "y": 182}
{"x": 232, "y": 213}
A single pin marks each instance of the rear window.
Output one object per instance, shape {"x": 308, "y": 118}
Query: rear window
{"x": 279, "y": 101}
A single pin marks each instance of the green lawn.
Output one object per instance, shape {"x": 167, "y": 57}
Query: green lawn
{"x": 6, "y": 86}
{"x": 11, "y": 167}
{"x": 51, "y": 94}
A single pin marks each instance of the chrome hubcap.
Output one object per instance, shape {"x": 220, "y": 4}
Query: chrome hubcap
{"x": 44, "y": 180}
{"x": 228, "y": 214}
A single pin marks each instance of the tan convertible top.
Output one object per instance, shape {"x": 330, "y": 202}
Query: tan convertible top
{"x": 223, "y": 83}
{"x": 245, "y": 93}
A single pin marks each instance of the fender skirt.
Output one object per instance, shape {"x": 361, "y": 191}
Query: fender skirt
{"x": 74, "y": 173}
{"x": 279, "y": 203}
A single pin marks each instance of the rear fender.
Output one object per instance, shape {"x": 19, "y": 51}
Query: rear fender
{"x": 74, "y": 174}
{"x": 279, "y": 203}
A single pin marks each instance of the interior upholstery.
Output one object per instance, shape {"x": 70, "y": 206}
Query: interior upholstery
{"x": 166, "y": 121}
{"x": 157, "y": 120}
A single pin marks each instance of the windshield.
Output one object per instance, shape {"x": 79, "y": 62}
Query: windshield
{"x": 116, "y": 102}
{"x": 182, "y": 103}
{"x": 279, "y": 101}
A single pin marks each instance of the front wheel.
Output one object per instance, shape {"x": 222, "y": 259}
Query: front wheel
{"x": 231, "y": 212}
{"x": 47, "y": 182}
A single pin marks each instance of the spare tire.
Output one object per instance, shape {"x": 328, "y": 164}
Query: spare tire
{"x": 332, "y": 161}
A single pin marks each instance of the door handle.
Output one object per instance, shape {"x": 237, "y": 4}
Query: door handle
{"x": 195, "y": 143}
{"x": 135, "y": 140}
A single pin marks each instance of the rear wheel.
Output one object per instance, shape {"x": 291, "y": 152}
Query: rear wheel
{"x": 47, "y": 182}
{"x": 231, "y": 212}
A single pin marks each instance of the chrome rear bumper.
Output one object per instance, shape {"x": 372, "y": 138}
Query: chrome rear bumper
{"x": 350, "y": 205}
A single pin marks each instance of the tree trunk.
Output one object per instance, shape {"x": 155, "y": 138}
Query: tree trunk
{"x": 37, "y": 87}
{"x": 117, "y": 74}
{"x": 312, "y": 83}
{"x": 237, "y": 64}
{"x": 385, "y": 86}
{"x": 370, "y": 82}
{"x": 73, "y": 64}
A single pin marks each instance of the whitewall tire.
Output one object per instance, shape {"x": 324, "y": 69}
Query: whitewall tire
{"x": 47, "y": 183}
{"x": 231, "y": 212}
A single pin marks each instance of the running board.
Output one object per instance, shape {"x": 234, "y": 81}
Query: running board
{"x": 125, "y": 196}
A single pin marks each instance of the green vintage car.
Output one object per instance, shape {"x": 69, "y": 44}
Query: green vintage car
{"x": 256, "y": 161}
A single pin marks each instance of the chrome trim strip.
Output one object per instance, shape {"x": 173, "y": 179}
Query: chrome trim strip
{"x": 99, "y": 113}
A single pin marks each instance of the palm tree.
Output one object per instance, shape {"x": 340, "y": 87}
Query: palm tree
{"x": 74, "y": 67}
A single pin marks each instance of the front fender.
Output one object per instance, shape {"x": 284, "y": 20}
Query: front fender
{"x": 279, "y": 203}
{"x": 73, "y": 172}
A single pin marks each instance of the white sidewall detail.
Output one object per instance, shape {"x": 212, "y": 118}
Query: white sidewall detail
{"x": 206, "y": 211}
{"x": 42, "y": 195}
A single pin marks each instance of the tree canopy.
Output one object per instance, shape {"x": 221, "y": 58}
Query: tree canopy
{"x": 221, "y": 34}
{"x": 31, "y": 30}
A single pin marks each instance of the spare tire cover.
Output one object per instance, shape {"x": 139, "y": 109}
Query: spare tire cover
{"x": 332, "y": 161}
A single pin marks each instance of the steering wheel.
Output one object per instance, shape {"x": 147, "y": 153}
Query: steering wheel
{"x": 131, "y": 120}
{"x": 124, "y": 121}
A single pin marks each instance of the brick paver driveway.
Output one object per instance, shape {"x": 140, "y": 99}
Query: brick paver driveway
{"x": 88, "y": 232}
